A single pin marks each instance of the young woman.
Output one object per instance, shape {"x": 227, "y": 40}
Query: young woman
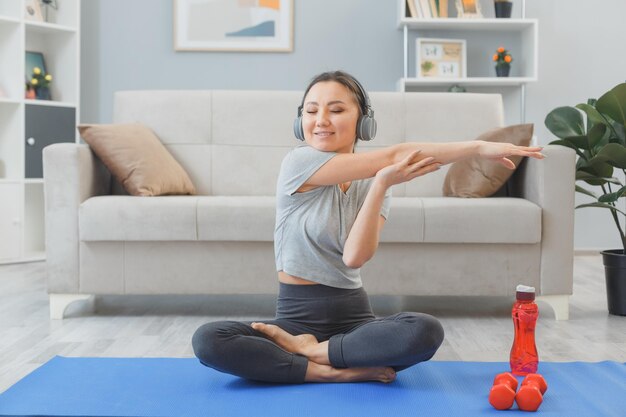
{"x": 331, "y": 206}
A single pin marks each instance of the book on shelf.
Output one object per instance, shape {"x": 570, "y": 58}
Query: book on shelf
{"x": 411, "y": 9}
{"x": 424, "y": 7}
{"x": 443, "y": 8}
{"x": 433, "y": 8}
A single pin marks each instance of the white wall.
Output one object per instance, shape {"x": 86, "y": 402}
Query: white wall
{"x": 581, "y": 56}
{"x": 127, "y": 44}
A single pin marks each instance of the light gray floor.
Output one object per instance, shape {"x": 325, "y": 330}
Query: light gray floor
{"x": 477, "y": 329}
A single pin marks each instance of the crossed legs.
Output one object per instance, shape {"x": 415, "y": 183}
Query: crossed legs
{"x": 373, "y": 351}
{"x": 319, "y": 368}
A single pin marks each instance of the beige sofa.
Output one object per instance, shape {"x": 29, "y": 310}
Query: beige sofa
{"x": 101, "y": 241}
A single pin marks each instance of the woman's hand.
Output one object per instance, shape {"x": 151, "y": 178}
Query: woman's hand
{"x": 498, "y": 152}
{"x": 407, "y": 169}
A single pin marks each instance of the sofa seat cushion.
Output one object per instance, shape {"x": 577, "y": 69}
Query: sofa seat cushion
{"x": 236, "y": 218}
{"x": 252, "y": 218}
{"x": 481, "y": 220}
{"x": 167, "y": 218}
{"x": 138, "y": 218}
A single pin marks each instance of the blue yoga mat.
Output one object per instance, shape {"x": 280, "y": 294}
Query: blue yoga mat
{"x": 183, "y": 387}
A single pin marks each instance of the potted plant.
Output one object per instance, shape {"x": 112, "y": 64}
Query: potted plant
{"x": 503, "y": 60}
{"x": 600, "y": 144}
{"x": 503, "y": 8}
{"x": 40, "y": 83}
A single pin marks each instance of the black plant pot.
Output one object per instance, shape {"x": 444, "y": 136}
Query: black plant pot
{"x": 503, "y": 9}
{"x": 503, "y": 70}
{"x": 615, "y": 274}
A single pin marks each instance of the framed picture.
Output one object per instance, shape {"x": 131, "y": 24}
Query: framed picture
{"x": 468, "y": 9}
{"x": 32, "y": 11}
{"x": 34, "y": 59}
{"x": 441, "y": 58}
{"x": 233, "y": 25}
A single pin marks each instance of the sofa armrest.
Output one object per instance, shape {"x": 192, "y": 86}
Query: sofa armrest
{"x": 549, "y": 183}
{"x": 72, "y": 174}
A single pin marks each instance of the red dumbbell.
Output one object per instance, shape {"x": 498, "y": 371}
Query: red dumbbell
{"x": 530, "y": 394}
{"x": 502, "y": 393}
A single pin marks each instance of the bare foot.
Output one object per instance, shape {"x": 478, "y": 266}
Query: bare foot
{"x": 325, "y": 373}
{"x": 302, "y": 344}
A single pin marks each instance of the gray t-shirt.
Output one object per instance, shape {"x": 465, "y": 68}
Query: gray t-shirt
{"x": 312, "y": 227}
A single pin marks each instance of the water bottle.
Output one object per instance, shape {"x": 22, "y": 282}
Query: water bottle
{"x": 524, "y": 358}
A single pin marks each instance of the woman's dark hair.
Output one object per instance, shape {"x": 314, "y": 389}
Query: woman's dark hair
{"x": 344, "y": 79}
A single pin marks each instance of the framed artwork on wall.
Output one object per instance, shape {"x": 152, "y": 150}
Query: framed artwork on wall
{"x": 32, "y": 11}
{"x": 233, "y": 25}
{"x": 441, "y": 58}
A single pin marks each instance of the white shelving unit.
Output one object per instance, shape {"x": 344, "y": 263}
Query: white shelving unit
{"x": 21, "y": 192}
{"x": 483, "y": 37}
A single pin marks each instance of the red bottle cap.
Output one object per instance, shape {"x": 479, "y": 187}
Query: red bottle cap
{"x": 525, "y": 293}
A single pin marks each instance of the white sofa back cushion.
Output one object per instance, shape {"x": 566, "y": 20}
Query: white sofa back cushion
{"x": 231, "y": 142}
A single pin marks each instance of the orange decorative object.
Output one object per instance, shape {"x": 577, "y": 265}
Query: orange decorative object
{"x": 270, "y": 4}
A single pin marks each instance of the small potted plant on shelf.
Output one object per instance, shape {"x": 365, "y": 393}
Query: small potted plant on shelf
{"x": 39, "y": 83}
{"x": 503, "y": 8}
{"x": 503, "y": 60}
{"x": 601, "y": 149}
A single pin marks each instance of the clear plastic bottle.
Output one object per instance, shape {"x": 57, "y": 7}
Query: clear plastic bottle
{"x": 524, "y": 358}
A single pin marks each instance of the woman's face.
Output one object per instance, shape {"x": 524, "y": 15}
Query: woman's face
{"x": 329, "y": 117}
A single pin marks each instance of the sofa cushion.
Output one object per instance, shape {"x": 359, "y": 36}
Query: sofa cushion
{"x": 481, "y": 220}
{"x": 478, "y": 177}
{"x": 138, "y": 218}
{"x": 236, "y": 218}
{"x": 137, "y": 159}
{"x": 252, "y": 218}
{"x": 405, "y": 222}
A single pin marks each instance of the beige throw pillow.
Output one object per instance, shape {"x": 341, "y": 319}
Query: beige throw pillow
{"x": 478, "y": 177}
{"x": 137, "y": 159}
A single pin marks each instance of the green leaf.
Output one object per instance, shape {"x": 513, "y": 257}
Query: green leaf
{"x": 593, "y": 114}
{"x": 581, "y": 142}
{"x": 603, "y": 205}
{"x": 613, "y": 103}
{"x": 619, "y": 135}
{"x": 613, "y": 154}
{"x": 596, "y": 133}
{"x": 597, "y": 167}
{"x": 565, "y": 122}
{"x": 595, "y": 180}
{"x": 612, "y": 197}
{"x": 584, "y": 191}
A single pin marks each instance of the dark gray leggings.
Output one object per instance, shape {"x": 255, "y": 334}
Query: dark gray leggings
{"x": 341, "y": 316}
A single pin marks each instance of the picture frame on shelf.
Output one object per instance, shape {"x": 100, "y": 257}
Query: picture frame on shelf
{"x": 233, "y": 26}
{"x": 34, "y": 59}
{"x": 32, "y": 11}
{"x": 441, "y": 58}
{"x": 468, "y": 9}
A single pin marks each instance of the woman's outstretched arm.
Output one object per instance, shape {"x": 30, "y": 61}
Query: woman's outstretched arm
{"x": 348, "y": 167}
{"x": 363, "y": 237}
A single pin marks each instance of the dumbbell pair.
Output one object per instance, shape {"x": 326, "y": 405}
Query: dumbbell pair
{"x": 528, "y": 398}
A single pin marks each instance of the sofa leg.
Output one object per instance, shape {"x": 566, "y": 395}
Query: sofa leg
{"x": 559, "y": 303}
{"x": 59, "y": 302}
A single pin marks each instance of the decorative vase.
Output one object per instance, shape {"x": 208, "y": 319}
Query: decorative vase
{"x": 42, "y": 93}
{"x": 503, "y": 9}
{"x": 615, "y": 275}
{"x": 503, "y": 70}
